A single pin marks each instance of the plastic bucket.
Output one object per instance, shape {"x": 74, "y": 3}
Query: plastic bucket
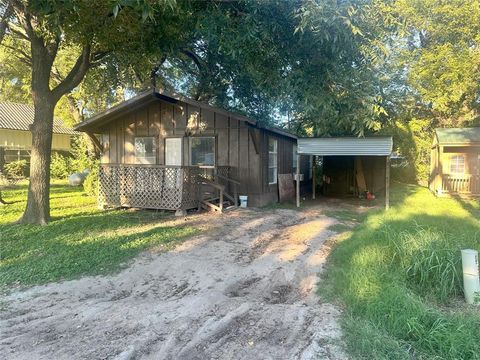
{"x": 243, "y": 201}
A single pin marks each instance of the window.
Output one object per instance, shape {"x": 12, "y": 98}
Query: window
{"x": 202, "y": 151}
{"x": 457, "y": 164}
{"x": 272, "y": 161}
{"x": 145, "y": 150}
{"x": 294, "y": 158}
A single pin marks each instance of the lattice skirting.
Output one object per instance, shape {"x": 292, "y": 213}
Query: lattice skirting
{"x": 168, "y": 188}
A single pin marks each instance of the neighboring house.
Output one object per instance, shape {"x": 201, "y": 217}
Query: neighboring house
{"x": 455, "y": 161}
{"x": 156, "y": 146}
{"x": 15, "y": 135}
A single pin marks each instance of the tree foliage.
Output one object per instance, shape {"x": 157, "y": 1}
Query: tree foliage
{"x": 442, "y": 57}
{"x": 318, "y": 67}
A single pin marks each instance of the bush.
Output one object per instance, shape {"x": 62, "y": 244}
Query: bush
{"x": 412, "y": 139}
{"x": 16, "y": 169}
{"x": 90, "y": 185}
{"x": 61, "y": 166}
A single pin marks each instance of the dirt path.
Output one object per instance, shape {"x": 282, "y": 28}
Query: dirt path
{"x": 243, "y": 290}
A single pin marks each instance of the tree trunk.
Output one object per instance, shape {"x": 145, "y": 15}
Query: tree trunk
{"x": 37, "y": 210}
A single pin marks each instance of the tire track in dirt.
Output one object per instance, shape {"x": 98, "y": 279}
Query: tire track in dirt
{"x": 242, "y": 290}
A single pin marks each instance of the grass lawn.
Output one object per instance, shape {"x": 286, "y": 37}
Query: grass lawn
{"x": 80, "y": 239}
{"x": 399, "y": 276}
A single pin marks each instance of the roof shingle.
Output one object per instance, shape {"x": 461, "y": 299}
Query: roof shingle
{"x": 458, "y": 135}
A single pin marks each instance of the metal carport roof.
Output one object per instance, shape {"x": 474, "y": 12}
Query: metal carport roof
{"x": 346, "y": 146}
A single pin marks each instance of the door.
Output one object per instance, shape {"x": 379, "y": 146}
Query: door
{"x": 173, "y": 151}
{"x": 173, "y": 157}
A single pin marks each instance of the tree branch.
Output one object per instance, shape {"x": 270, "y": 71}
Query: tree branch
{"x": 194, "y": 57}
{"x": 19, "y": 34}
{"x": 4, "y": 21}
{"x": 25, "y": 58}
{"x": 75, "y": 75}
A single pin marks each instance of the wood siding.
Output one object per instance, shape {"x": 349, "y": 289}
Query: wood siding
{"x": 237, "y": 144}
{"x": 20, "y": 139}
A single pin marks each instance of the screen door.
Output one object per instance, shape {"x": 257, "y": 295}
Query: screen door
{"x": 173, "y": 151}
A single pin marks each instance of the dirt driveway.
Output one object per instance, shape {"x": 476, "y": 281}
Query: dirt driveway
{"x": 242, "y": 290}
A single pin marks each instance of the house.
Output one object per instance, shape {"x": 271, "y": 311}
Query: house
{"x": 351, "y": 166}
{"x": 165, "y": 151}
{"x": 15, "y": 135}
{"x": 455, "y": 162}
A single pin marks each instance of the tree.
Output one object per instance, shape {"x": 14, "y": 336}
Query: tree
{"x": 440, "y": 53}
{"x": 38, "y": 31}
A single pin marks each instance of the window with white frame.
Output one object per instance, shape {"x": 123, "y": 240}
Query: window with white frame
{"x": 145, "y": 150}
{"x": 272, "y": 161}
{"x": 202, "y": 151}
{"x": 294, "y": 158}
{"x": 457, "y": 164}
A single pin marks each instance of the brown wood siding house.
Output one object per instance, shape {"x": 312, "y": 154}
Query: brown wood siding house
{"x": 455, "y": 162}
{"x": 155, "y": 145}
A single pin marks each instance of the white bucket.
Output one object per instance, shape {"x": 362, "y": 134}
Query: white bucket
{"x": 243, "y": 201}
{"x": 471, "y": 281}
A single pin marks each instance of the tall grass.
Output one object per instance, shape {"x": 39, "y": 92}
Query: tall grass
{"x": 430, "y": 261}
{"x": 399, "y": 275}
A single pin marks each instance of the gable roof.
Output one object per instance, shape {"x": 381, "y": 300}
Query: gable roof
{"x": 346, "y": 146}
{"x": 458, "y": 136}
{"x": 93, "y": 123}
{"x": 16, "y": 116}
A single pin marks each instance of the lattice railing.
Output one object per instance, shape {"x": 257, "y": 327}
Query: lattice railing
{"x": 149, "y": 186}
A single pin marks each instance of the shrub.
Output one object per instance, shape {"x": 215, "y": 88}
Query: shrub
{"x": 61, "y": 166}
{"x": 90, "y": 185}
{"x": 16, "y": 169}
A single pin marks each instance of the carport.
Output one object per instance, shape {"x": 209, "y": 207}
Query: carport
{"x": 351, "y": 166}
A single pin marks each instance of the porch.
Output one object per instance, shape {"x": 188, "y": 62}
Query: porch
{"x": 166, "y": 187}
{"x": 463, "y": 184}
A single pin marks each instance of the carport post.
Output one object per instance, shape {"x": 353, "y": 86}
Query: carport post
{"x": 297, "y": 175}
{"x": 314, "y": 176}
{"x": 387, "y": 182}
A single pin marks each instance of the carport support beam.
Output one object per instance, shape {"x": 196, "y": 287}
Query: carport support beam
{"x": 297, "y": 184}
{"x": 314, "y": 176}
{"x": 387, "y": 182}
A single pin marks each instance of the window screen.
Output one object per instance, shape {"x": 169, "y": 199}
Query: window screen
{"x": 202, "y": 151}
{"x": 272, "y": 161}
{"x": 145, "y": 150}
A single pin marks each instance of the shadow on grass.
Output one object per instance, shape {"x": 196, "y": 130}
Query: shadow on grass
{"x": 79, "y": 240}
{"x": 79, "y": 246}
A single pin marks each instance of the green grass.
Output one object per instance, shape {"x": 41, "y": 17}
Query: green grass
{"x": 339, "y": 228}
{"x": 399, "y": 276}
{"x": 346, "y": 215}
{"x": 80, "y": 239}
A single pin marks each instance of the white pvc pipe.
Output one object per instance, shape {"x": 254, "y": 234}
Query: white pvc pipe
{"x": 471, "y": 281}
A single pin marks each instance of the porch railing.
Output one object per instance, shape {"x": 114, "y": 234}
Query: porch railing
{"x": 461, "y": 184}
{"x": 153, "y": 186}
